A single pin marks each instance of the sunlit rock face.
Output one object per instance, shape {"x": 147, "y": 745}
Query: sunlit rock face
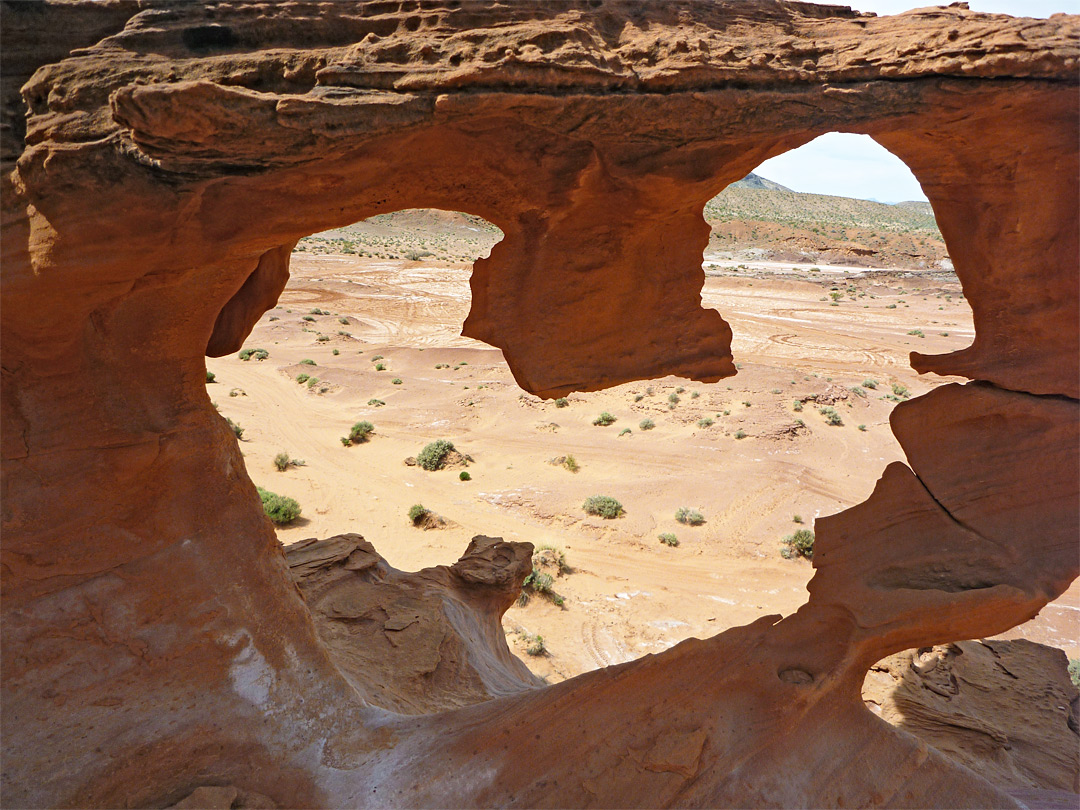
{"x": 160, "y": 160}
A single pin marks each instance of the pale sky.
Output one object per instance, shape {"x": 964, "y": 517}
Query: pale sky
{"x": 847, "y": 165}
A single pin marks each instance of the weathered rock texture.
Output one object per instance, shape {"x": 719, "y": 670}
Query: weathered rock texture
{"x": 1005, "y": 709}
{"x": 154, "y": 181}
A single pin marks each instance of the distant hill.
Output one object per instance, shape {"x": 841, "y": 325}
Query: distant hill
{"x": 752, "y": 219}
{"x": 757, "y": 181}
{"x": 753, "y": 222}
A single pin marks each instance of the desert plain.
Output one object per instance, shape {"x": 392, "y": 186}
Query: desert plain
{"x": 368, "y": 328}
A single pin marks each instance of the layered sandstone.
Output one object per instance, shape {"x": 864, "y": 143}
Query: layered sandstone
{"x": 155, "y": 181}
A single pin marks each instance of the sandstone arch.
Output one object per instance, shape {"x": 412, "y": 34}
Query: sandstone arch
{"x": 153, "y": 640}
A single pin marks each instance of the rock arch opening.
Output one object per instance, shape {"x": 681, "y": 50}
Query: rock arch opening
{"x": 154, "y": 642}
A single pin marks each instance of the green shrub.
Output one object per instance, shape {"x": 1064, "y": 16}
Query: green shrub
{"x": 704, "y": 423}
{"x": 258, "y": 354}
{"x": 335, "y": 352}
{"x": 307, "y": 318}
{"x": 210, "y": 376}
{"x": 571, "y": 464}
{"x": 396, "y": 381}
{"x": 345, "y": 440}
{"x": 535, "y": 645}
{"x": 562, "y": 402}
{"x": 360, "y": 432}
{"x": 239, "y": 431}
{"x": 603, "y": 506}
{"x": 376, "y": 358}
{"x": 318, "y": 311}
{"x": 306, "y": 362}
{"x": 417, "y": 512}
{"x": 344, "y": 321}
{"x": 857, "y": 391}
{"x": 312, "y": 382}
{"x": 831, "y": 416}
{"x": 740, "y": 434}
{"x": 279, "y": 508}
{"x": 303, "y": 378}
{"x": 796, "y": 518}
{"x": 638, "y": 397}
{"x": 673, "y": 399}
{"x": 798, "y": 406}
{"x": 321, "y": 339}
{"x": 900, "y": 390}
{"x": 1074, "y": 671}
{"x": 281, "y": 461}
{"x": 668, "y": 539}
{"x": 433, "y": 456}
{"x": 694, "y": 395}
{"x": 464, "y": 476}
{"x": 868, "y": 383}
{"x": 375, "y": 403}
{"x": 380, "y": 366}
{"x": 862, "y": 428}
{"x": 917, "y": 333}
{"x": 800, "y": 544}
{"x": 604, "y": 419}
{"x": 646, "y": 424}
{"x": 689, "y": 517}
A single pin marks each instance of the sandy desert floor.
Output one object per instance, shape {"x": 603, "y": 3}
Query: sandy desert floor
{"x": 626, "y": 593}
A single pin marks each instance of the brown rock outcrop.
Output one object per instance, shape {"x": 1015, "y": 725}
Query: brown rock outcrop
{"x": 153, "y": 641}
{"x": 1005, "y": 709}
{"x": 416, "y": 643}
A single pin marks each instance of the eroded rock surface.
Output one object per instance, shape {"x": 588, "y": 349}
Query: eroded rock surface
{"x": 416, "y": 643}
{"x": 159, "y": 161}
{"x": 1005, "y": 709}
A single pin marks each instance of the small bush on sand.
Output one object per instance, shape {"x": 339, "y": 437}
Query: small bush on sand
{"x": 279, "y": 508}
{"x": 673, "y": 399}
{"x": 417, "y": 513}
{"x": 464, "y": 476}
{"x": 571, "y": 464}
{"x": 704, "y": 423}
{"x": 257, "y": 354}
{"x": 831, "y": 416}
{"x": 360, "y": 432}
{"x": 740, "y": 434}
{"x": 868, "y": 383}
{"x": 799, "y": 544}
{"x": 603, "y": 506}
{"x": 900, "y": 390}
{"x": 689, "y": 517}
{"x": 306, "y": 362}
{"x": 433, "y": 456}
{"x": 646, "y": 424}
{"x": 335, "y": 352}
{"x": 797, "y": 406}
{"x": 210, "y": 376}
{"x": 346, "y": 441}
{"x": 380, "y": 366}
{"x": 281, "y": 461}
{"x": 1074, "y": 671}
{"x": 396, "y": 381}
{"x": 604, "y": 419}
{"x": 302, "y": 378}
{"x": 344, "y": 321}
{"x": 668, "y": 539}
{"x": 375, "y": 403}
{"x": 624, "y": 431}
{"x": 562, "y": 402}
{"x": 237, "y": 429}
{"x": 535, "y": 645}
{"x": 308, "y": 318}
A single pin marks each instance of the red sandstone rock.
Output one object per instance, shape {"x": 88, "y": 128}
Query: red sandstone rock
{"x": 153, "y": 642}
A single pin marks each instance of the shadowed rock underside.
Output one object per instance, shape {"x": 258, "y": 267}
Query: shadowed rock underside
{"x": 159, "y": 162}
